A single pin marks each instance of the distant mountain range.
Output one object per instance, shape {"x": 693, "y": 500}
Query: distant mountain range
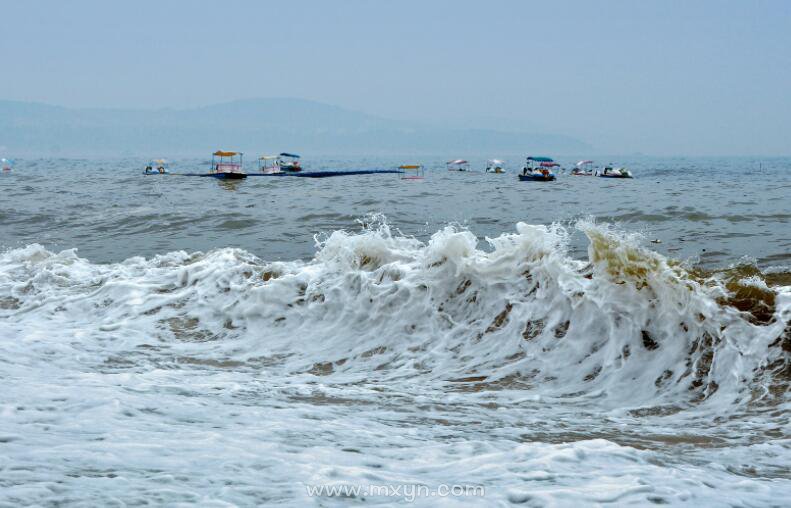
{"x": 254, "y": 125}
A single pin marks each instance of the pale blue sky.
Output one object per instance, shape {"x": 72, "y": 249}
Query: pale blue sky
{"x": 660, "y": 77}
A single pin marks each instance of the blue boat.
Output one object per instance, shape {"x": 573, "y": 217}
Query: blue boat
{"x": 157, "y": 167}
{"x": 537, "y": 169}
{"x": 289, "y": 162}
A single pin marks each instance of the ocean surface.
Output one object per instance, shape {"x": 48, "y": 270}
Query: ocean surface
{"x": 465, "y": 340}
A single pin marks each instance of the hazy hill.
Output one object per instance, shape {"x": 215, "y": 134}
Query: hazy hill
{"x": 253, "y": 126}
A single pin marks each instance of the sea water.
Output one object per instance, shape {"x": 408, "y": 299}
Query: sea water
{"x": 464, "y": 340}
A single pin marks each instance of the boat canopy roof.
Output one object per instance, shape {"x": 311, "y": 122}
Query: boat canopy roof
{"x": 286, "y": 154}
{"x": 410, "y": 166}
{"x": 495, "y": 161}
{"x": 458, "y": 161}
{"x": 220, "y": 153}
{"x": 268, "y": 157}
{"x": 582, "y": 163}
{"x": 158, "y": 161}
{"x": 540, "y": 159}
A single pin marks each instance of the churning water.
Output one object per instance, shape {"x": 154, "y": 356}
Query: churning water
{"x": 169, "y": 340}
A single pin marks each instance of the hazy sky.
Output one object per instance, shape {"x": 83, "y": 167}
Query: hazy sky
{"x": 660, "y": 77}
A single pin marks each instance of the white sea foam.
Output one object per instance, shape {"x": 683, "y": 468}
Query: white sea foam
{"x": 218, "y": 377}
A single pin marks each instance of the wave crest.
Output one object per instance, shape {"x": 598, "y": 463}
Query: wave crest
{"x": 626, "y": 326}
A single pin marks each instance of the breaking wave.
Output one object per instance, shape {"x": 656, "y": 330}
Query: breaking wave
{"x": 626, "y": 328}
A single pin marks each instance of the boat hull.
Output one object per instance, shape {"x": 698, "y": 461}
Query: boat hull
{"x": 616, "y": 176}
{"x": 536, "y": 178}
{"x": 229, "y": 176}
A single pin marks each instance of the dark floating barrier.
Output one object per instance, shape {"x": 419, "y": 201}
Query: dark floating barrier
{"x": 303, "y": 174}
{"x": 325, "y": 174}
{"x": 219, "y": 176}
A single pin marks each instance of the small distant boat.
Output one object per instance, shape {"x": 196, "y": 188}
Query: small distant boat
{"x": 495, "y": 166}
{"x": 227, "y": 165}
{"x": 6, "y": 164}
{"x": 412, "y": 172}
{"x": 611, "y": 172}
{"x": 156, "y": 167}
{"x": 458, "y": 165}
{"x": 269, "y": 164}
{"x": 538, "y": 169}
{"x": 583, "y": 168}
{"x": 289, "y": 162}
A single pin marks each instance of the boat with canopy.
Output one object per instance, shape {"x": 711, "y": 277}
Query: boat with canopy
{"x": 6, "y": 164}
{"x": 583, "y": 168}
{"x": 495, "y": 166}
{"x": 227, "y": 165}
{"x": 156, "y": 167}
{"x": 538, "y": 169}
{"x": 458, "y": 165}
{"x": 289, "y": 162}
{"x": 411, "y": 171}
{"x": 269, "y": 164}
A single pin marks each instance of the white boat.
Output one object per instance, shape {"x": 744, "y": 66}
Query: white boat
{"x": 269, "y": 164}
{"x": 411, "y": 172}
{"x": 227, "y": 165}
{"x": 495, "y": 166}
{"x": 458, "y": 165}
{"x": 611, "y": 172}
{"x": 583, "y": 168}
